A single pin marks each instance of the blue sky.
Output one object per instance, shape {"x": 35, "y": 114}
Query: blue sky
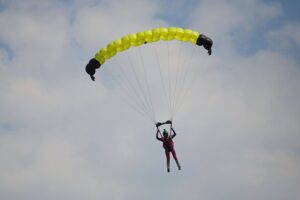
{"x": 63, "y": 136}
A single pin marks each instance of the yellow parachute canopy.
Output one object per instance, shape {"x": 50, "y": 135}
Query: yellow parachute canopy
{"x": 144, "y": 37}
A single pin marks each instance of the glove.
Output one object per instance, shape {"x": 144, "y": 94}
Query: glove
{"x": 158, "y": 124}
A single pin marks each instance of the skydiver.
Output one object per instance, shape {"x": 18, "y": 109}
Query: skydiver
{"x": 168, "y": 143}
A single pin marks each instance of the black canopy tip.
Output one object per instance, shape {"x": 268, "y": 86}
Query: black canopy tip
{"x": 206, "y": 42}
{"x": 91, "y": 68}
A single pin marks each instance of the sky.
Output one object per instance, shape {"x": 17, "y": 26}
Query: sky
{"x": 63, "y": 136}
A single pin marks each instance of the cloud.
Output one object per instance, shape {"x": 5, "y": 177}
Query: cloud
{"x": 285, "y": 37}
{"x": 65, "y": 137}
{"x": 225, "y": 17}
{"x": 94, "y": 24}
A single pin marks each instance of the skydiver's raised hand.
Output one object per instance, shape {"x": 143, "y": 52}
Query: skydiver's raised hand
{"x": 158, "y": 124}
{"x": 168, "y": 122}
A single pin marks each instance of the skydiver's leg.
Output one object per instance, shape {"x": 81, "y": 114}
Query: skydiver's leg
{"x": 175, "y": 158}
{"x": 168, "y": 159}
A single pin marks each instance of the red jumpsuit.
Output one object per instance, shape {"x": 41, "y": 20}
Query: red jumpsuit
{"x": 168, "y": 145}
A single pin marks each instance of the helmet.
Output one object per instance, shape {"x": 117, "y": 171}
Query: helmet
{"x": 165, "y": 133}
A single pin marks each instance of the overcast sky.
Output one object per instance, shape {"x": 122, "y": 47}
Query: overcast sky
{"x": 63, "y": 136}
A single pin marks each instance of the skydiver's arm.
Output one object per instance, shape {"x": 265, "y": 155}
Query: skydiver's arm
{"x": 174, "y": 133}
{"x": 158, "y": 131}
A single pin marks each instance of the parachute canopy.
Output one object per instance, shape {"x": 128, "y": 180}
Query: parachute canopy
{"x": 144, "y": 37}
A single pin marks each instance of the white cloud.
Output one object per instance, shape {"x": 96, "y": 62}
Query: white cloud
{"x": 65, "y": 137}
{"x": 224, "y": 17}
{"x": 96, "y": 24}
{"x": 287, "y": 36}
